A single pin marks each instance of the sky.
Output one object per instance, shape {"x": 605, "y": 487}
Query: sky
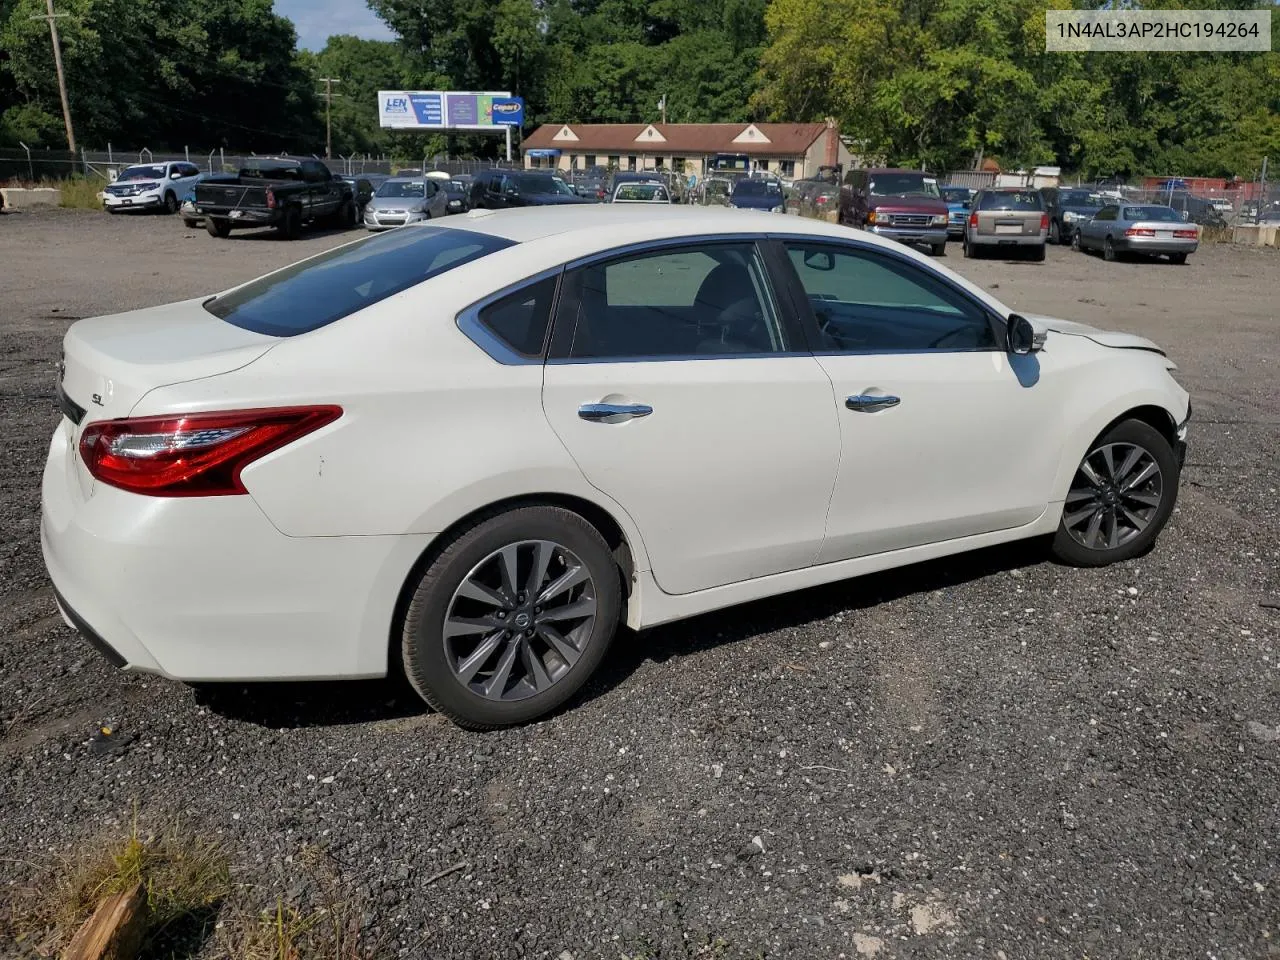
{"x": 317, "y": 20}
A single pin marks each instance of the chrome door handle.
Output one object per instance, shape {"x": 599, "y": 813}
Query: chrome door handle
{"x": 868, "y": 403}
{"x": 613, "y": 412}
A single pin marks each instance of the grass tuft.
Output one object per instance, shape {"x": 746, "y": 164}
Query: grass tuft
{"x": 79, "y": 193}
{"x": 185, "y": 877}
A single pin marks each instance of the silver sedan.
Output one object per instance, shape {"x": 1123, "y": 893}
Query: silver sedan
{"x": 402, "y": 200}
{"x": 1121, "y": 228}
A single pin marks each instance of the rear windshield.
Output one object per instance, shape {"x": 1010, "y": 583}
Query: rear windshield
{"x": 956, "y": 194}
{"x": 1151, "y": 213}
{"x": 1079, "y": 198}
{"x": 641, "y": 191}
{"x": 316, "y": 292}
{"x": 269, "y": 170}
{"x": 1012, "y": 200}
{"x": 757, "y": 188}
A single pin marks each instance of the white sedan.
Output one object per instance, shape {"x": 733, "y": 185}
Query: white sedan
{"x": 481, "y": 447}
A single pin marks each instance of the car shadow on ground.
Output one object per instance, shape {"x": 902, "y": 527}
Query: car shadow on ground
{"x": 339, "y": 703}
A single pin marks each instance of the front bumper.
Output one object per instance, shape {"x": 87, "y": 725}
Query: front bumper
{"x": 929, "y": 235}
{"x": 140, "y": 202}
{"x": 206, "y": 588}
{"x": 375, "y": 222}
{"x": 1156, "y": 245}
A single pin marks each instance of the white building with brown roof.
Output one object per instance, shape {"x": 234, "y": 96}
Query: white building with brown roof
{"x": 792, "y": 150}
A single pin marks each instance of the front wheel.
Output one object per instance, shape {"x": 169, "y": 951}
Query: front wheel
{"x": 291, "y": 224}
{"x": 1120, "y": 498}
{"x": 938, "y": 249}
{"x": 171, "y": 203}
{"x": 512, "y": 617}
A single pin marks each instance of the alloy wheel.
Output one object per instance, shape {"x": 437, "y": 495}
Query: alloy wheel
{"x": 519, "y": 620}
{"x": 1115, "y": 495}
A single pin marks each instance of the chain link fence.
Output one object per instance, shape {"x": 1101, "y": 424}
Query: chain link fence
{"x": 21, "y": 165}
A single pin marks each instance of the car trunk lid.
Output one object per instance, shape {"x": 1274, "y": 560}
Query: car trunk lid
{"x": 109, "y": 363}
{"x": 231, "y": 195}
{"x": 1014, "y": 223}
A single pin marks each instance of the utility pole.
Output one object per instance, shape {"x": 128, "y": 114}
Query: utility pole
{"x": 52, "y": 17}
{"x": 328, "y": 111}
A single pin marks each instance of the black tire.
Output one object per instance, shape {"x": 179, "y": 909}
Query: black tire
{"x": 290, "y": 227}
{"x": 217, "y": 228}
{"x": 1077, "y": 244}
{"x": 428, "y": 664}
{"x": 170, "y": 203}
{"x": 190, "y": 224}
{"x": 1055, "y": 232}
{"x": 938, "y": 249}
{"x": 1178, "y": 258}
{"x": 969, "y": 252}
{"x": 1037, "y": 254}
{"x": 1108, "y": 251}
{"x": 1130, "y": 433}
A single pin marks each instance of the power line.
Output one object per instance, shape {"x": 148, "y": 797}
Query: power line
{"x": 52, "y": 18}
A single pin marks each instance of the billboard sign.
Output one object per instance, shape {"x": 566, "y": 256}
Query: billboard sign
{"x": 448, "y": 110}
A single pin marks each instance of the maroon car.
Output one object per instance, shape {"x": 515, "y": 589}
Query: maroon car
{"x": 904, "y": 205}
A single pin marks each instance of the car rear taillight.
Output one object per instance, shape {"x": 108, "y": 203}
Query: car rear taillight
{"x": 973, "y": 219}
{"x": 196, "y": 455}
{"x": 1139, "y": 232}
{"x": 821, "y": 201}
{"x": 271, "y": 199}
{"x": 1044, "y": 221}
{"x": 1186, "y": 234}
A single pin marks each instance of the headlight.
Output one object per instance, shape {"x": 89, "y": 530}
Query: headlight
{"x": 939, "y": 220}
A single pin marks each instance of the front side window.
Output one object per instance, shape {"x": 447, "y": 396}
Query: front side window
{"x": 316, "y": 292}
{"x": 704, "y": 300}
{"x": 865, "y": 302}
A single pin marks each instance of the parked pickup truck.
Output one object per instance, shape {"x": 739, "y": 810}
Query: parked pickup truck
{"x": 276, "y": 192}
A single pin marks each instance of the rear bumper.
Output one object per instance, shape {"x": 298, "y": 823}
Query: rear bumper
{"x": 1007, "y": 239}
{"x": 1155, "y": 245}
{"x": 912, "y": 234}
{"x": 206, "y": 588}
{"x": 243, "y": 216}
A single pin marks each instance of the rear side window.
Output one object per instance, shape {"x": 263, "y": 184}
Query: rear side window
{"x": 520, "y": 319}
{"x": 316, "y": 292}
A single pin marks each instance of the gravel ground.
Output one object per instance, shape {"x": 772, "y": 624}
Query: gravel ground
{"x": 990, "y": 756}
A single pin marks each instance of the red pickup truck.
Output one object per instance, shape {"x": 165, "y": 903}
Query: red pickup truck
{"x": 904, "y": 205}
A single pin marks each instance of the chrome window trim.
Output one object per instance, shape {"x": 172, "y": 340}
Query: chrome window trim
{"x": 677, "y": 357}
{"x": 641, "y": 246}
{"x": 861, "y": 247}
{"x": 473, "y": 327}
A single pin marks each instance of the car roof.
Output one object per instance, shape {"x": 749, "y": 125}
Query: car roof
{"x": 641, "y": 223}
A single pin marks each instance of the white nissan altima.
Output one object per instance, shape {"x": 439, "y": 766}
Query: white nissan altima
{"x": 479, "y": 448}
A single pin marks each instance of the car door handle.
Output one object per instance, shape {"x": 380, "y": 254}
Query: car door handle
{"x": 869, "y": 403}
{"x": 613, "y": 412}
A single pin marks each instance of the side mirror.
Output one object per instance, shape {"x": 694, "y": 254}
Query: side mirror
{"x": 1186, "y": 214}
{"x": 1022, "y": 335}
{"x": 819, "y": 260}
{"x": 175, "y": 175}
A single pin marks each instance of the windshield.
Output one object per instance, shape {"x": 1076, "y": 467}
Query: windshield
{"x": 641, "y": 191}
{"x": 316, "y": 292}
{"x": 403, "y": 188}
{"x": 757, "y": 188}
{"x": 526, "y": 184}
{"x": 1080, "y": 198}
{"x": 1151, "y": 213}
{"x": 142, "y": 173}
{"x": 1011, "y": 200}
{"x": 956, "y": 194}
{"x": 903, "y": 184}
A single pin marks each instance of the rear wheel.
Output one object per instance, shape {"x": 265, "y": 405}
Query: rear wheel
{"x": 1076, "y": 243}
{"x": 1037, "y": 253}
{"x": 1108, "y": 250}
{"x": 1120, "y": 498}
{"x": 290, "y": 227}
{"x": 512, "y": 617}
{"x": 1055, "y": 233}
{"x": 970, "y": 253}
{"x": 217, "y": 228}
{"x": 1178, "y": 258}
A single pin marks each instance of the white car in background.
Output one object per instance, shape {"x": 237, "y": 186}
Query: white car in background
{"x": 150, "y": 186}
{"x": 480, "y": 446}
